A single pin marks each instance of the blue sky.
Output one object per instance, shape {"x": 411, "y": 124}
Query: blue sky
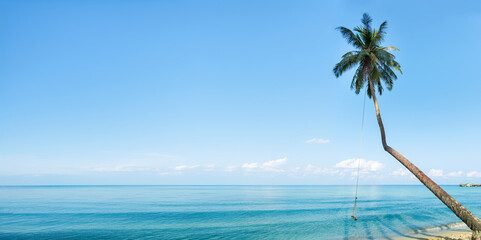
{"x": 231, "y": 92}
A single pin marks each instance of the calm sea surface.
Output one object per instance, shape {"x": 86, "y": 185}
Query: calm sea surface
{"x": 223, "y": 212}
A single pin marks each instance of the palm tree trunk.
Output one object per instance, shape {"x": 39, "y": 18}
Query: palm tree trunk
{"x": 464, "y": 214}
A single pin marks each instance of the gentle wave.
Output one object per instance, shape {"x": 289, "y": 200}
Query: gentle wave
{"x": 225, "y": 212}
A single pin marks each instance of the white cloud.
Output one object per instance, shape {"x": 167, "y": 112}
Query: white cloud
{"x": 365, "y": 166}
{"x": 474, "y": 174}
{"x": 455, "y": 174}
{"x": 317, "y": 140}
{"x": 436, "y": 173}
{"x": 269, "y": 166}
{"x": 250, "y": 165}
{"x": 184, "y": 167}
{"x": 275, "y": 163}
{"x": 401, "y": 172}
{"x": 313, "y": 169}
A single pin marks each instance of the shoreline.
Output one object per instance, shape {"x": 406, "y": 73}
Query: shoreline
{"x": 453, "y": 231}
{"x": 445, "y": 235}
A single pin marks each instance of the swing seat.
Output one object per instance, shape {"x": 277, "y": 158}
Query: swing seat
{"x": 355, "y": 219}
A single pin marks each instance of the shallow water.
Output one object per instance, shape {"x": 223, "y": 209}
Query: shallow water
{"x": 223, "y": 212}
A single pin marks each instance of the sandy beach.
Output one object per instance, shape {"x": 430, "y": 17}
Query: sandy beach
{"x": 453, "y": 231}
{"x": 464, "y": 235}
{"x": 452, "y": 236}
{"x": 460, "y": 234}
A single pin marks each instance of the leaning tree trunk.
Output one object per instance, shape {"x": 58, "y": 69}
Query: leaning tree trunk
{"x": 464, "y": 214}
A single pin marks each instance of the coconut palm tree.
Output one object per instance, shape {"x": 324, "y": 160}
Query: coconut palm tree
{"x": 375, "y": 66}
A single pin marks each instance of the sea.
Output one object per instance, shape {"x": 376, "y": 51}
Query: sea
{"x": 226, "y": 212}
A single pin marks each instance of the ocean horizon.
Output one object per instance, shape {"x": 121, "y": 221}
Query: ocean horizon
{"x": 225, "y": 211}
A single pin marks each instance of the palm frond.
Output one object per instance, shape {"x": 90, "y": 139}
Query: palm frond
{"x": 379, "y": 34}
{"x": 348, "y": 61}
{"x": 379, "y": 88}
{"x": 351, "y": 53}
{"x": 366, "y": 20}
{"x": 387, "y": 75}
{"x": 376, "y": 78}
{"x": 387, "y": 70}
{"x": 387, "y": 59}
{"x": 364, "y": 35}
{"x": 351, "y": 38}
{"x": 393, "y": 64}
{"x": 375, "y": 62}
{"x": 358, "y": 80}
{"x": 383, "y": 55}
{"x": 390, "y": 48}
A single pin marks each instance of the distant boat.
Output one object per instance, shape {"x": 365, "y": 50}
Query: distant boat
{"x": 469, "y": 185}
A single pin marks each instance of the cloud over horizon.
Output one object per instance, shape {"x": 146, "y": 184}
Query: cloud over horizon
{"x": 364, "y": 165}
{"x": 318, "y": 140}
{"x": 474, "y": 174}
{"x": 184, "y": 167}
{"x": 436, "y": 173}
{"x": 401, "y": 172}
{"x": 269, "y": 166}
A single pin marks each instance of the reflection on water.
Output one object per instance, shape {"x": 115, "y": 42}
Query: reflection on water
{"x": 224, "y": 212}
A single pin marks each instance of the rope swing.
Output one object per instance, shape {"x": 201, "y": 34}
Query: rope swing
{"x": 354, "y": 209}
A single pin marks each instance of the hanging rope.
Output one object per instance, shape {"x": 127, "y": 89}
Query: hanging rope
{"x": 354, "y": 209}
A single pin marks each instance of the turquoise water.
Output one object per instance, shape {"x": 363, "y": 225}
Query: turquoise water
{"x": 223, "y": 212}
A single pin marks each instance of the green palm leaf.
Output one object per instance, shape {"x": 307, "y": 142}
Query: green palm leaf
{"x": 373, "y": 61}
